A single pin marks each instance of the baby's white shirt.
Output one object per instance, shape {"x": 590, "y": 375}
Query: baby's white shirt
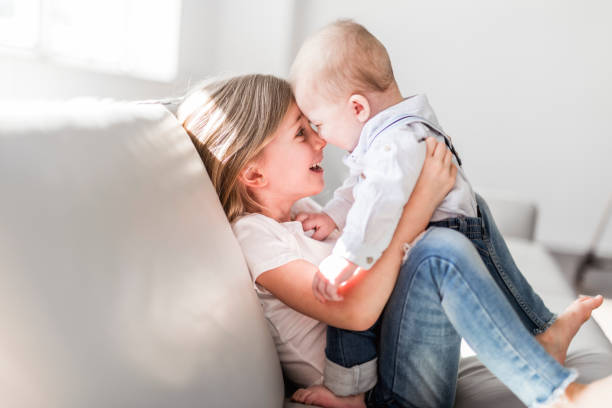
{"x": 383, "y": 170}
{"x": 267, "y": 244}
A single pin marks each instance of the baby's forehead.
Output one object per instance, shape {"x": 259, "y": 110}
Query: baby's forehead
{"x": 318, "y": 92}
{"x": 312, "y": 104}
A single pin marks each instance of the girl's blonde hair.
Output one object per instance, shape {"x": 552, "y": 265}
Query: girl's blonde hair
{"x": 230, "y": 121}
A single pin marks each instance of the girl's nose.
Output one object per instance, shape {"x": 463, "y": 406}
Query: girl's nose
{"x": 319, "y": 142}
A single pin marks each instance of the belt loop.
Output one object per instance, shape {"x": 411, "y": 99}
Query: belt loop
{"x": 463, "y": 225}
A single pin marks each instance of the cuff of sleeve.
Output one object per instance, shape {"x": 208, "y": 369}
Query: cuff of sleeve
{"x": 337, "y": 213}
{"x": 406, "y": 247}
{"x": 362, "y": 256}
{"x": 345, "y": 381}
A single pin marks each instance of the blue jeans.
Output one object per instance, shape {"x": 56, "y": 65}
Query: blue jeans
{"x": 444, "y": 292}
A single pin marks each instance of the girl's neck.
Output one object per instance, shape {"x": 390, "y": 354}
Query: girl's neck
{"x": 276, "y": 209}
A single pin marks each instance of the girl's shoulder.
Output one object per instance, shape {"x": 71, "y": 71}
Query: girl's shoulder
{"x": 259, "y": 223}
{"x": 265, "y": 243}
{"x": 256, "y": 224}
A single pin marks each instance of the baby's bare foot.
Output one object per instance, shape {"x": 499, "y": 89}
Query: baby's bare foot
{"x": 320, "y": 395}
{"x": 557, "y": 338}
{"x": 595, "y": 394}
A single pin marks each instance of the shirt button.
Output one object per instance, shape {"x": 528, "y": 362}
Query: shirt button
{"x": 369, "y": 259}
{"x": 362, "y": 176}
{"x": 387, "y": 148}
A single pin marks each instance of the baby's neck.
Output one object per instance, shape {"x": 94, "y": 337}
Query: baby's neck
{"x": 379, "y": 101}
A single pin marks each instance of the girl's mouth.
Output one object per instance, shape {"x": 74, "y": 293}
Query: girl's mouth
{"x": 316, "y": 168}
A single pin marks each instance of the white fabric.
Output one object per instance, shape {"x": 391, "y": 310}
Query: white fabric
{"x": 268, "y": 244}
{"x": 384, "y": 168}
{"x": 121, "y": 283}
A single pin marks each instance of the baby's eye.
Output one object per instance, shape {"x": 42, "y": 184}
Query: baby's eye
{"x": 300, "y": 133}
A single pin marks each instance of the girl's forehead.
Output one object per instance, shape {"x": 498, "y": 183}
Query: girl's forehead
{"x": 291, "y": 120}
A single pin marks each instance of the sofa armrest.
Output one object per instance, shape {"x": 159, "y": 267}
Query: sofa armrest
{"x": 515, "y": 217}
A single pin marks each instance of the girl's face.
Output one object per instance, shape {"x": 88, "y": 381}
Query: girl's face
{"x": 290, "y": 163}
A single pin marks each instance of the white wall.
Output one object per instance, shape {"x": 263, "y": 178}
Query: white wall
{"x": 232, "y": 37}
{"x": 523, "y": 87}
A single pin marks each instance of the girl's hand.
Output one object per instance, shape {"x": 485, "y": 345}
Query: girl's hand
{"x": 438, "y": 173}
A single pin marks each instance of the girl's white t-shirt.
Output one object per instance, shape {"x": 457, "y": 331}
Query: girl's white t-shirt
{"x": 268, "y": 244}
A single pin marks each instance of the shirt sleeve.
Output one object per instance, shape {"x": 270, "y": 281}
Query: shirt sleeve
{"x": 392, "y": 166}
{"x": 340, "y": 204}
{"x": 264, "y": 245}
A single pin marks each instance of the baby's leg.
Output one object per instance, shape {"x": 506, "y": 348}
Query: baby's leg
{"x": 320, "y": 395}
{"x": 495, "y": 253}
{"x": 553, "y": 334}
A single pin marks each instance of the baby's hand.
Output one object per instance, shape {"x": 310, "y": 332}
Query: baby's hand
{"x": 332, "y": 272}
{"x": 322, "y": 224}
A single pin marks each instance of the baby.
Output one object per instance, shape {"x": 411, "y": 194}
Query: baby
{"x": 344, "y": 84}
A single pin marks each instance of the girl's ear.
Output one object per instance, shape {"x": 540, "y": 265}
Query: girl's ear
{"x": 360, "y": 107}
{"x": 252, "y": 177}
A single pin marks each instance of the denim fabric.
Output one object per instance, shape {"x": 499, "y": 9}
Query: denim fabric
{"x": 443, "y": 294}
{"x": 350, "y": 349}
{"x": 493, "y": 251}
{"x": 349, "y": 356}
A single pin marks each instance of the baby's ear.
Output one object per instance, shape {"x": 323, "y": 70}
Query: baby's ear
{"x": 360, "y": 107}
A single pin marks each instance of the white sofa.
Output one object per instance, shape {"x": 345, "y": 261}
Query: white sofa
{"x": 121, "y": 284}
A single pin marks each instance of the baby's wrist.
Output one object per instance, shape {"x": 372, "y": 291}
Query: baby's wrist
{"x": 331, "y": 220}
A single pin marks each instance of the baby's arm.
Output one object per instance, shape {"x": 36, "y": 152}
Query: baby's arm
{"x": 333, "y": 214}
{"x": 321, "y": 223}
{"x": 392, "y": 166}
{"x": 338, "y": 207}
{"x": 389, "y": 179}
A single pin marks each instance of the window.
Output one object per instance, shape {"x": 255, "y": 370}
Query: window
{"x": 133, "y": 37}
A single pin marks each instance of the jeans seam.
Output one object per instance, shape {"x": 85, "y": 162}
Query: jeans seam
{"x": 513, "y": 290}
{"x": 491, "y": 321}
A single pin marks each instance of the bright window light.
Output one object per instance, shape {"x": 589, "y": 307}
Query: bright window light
{"x": 19, "y": 23}
{"x": 133, "y": 37}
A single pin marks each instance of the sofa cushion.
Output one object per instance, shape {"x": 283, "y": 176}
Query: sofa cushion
{"x": 477, "y": 387}
{"x": 122, "y": 284}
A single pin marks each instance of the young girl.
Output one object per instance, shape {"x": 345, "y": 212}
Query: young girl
{"x": 263, "y": 159}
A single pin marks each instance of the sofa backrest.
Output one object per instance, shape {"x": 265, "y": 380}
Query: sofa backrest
{"x": 121, "y": 283}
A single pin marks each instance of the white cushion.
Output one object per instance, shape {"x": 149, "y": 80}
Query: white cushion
{"x": 122, "y": 284}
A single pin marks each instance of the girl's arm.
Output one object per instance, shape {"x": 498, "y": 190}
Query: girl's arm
{"x": 367, "y": 293}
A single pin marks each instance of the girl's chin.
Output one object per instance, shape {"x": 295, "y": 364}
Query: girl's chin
{"x": 320, "y": 188}
{"x": 316, "y": 188}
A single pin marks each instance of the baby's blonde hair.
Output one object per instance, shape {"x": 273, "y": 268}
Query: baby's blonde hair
{"x": 341, "y": 59}
{"x": 230, "y": 121}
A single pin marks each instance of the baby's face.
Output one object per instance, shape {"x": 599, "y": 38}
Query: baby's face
{"x": 335, "y": 122}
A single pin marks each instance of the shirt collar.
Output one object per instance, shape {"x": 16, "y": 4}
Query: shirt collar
{"x": 413, "y": 105}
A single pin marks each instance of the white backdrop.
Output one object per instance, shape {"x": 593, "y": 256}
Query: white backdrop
{"x": 522, "y": 86}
